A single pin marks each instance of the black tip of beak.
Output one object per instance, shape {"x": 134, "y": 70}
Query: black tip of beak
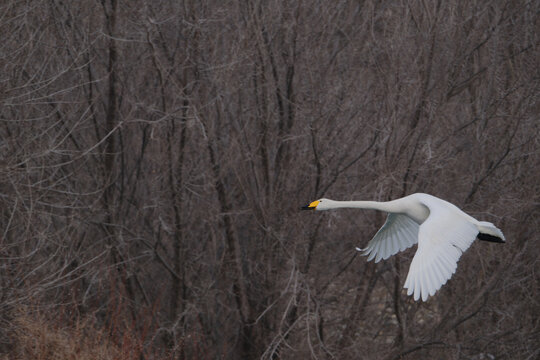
{"x": 307, "y": 208}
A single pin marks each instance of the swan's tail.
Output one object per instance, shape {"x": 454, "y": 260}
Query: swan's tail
{"x": 489, "y": 232}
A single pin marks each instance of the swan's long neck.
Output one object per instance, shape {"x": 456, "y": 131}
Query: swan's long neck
{"x": 388, "y": 206}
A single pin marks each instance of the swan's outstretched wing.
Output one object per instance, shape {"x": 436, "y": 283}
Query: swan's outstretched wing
{"x": 398, "y": 233}
{"x": 442, "y": 238}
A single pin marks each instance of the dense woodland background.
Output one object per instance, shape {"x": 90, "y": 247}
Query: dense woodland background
{"x": 154, "y": 156}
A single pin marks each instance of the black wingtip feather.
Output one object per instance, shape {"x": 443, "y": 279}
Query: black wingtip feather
{"x": 491, "y": 238}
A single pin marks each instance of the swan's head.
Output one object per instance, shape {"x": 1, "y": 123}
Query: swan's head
{"x": 321, "y": 204}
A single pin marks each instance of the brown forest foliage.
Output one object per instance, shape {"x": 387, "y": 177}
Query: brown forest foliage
{"x": 154, "y": 156}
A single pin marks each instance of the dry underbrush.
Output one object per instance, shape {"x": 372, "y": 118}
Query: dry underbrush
{"x": 40, "y": 337}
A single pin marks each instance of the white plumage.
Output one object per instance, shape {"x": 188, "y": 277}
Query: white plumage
{"x": 443, "y": 232}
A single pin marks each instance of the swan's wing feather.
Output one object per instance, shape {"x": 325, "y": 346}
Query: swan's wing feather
{"x": 442, "y": 238}
{"x": 398, "y": 233}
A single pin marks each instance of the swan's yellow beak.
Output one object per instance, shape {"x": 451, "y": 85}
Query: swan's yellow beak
{"x": 311, "y": 206}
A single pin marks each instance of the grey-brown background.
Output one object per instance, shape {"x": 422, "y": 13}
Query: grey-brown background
{"x": 154, "y": 156}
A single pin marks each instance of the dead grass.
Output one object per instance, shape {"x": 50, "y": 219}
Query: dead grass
{"x": 39, "y": 337}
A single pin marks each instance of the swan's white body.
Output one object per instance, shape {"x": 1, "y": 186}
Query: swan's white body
{"x": 443, "y": 232}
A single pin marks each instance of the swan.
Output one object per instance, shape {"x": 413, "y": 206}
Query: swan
{"x": 443, "y": 232}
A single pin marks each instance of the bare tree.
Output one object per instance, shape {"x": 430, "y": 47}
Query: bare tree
{"x": 153, "y": 157}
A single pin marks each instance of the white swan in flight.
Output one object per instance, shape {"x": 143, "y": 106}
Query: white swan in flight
{"x": 442, "y": 230}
